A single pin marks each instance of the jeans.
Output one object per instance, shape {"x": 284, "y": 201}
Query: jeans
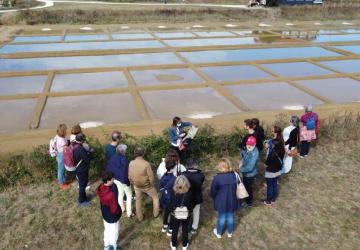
{"x": 61, "y": 168}
{"x": 124, "y": 189}
{"x": 83, "y": 177}
{"x": 151, "y": 191}
{"x": 166, "y": 213}
{"x": 304, "y": 148}
{"x": 272, "y": 189}
{"x": 175, "y": 224}
{"x": 229, "y": 218}
{"x": 196, "y": 217}
{"x": 248, "y": 183}
{"x": 111, "y": 234}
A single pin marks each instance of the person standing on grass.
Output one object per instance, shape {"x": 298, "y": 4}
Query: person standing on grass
{"x": 274, "y": 164}
{"x": 260, "y": 134}
{"x": 110, "y": 210}
{"x": 119, "y": 165}
{"x": 196, "y": 178}
{"x": 310, "y": 122}
{"x": 249, "y": 168}
{"x": 176, "y": 134}
{"x": 142, "y": 177}
{"x": 249, "y": 126}
{"x": 82, "y": 160}
{"x": 223, "y": 192}
{"x": 291, "y": 140}
{"x": 181, "y": 208}
{"x": 166, "y": 189}
{"x": 276, "y": 132}
{"x": 59, "y": 142}
{"x": 110, "y": 149}
{"x": 173, "y": 156}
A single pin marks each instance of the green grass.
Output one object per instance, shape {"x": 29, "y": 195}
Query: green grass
{"x": 318, "y": 207}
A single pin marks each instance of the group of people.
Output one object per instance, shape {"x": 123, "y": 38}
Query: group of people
{"x": 180, "y": 181}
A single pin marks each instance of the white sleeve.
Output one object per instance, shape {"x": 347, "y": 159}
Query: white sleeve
{"x": 161, "y": 170}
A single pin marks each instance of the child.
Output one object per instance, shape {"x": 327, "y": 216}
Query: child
{"x": 166, "y": 184}
{"x": 249, "y": 168}
{"x": 110, "y": 210}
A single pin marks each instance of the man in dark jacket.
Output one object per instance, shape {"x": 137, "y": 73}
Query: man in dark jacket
{"x": 82, "y": 160}
{"x": 196, "y": 178}
{"x": 119, "y": 165}
{"x": 110, "y": 210}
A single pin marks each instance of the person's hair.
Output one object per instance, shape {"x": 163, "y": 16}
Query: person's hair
{"x": 107, "y": 176}
{"x": 170, "y": 165}
{"x": 139, "y": 151}
{"x": 172, "y": 155}
{"x": 278, "y": 147}
{"x": 76, "y": 129}
{"x": 175, "y": 121}
{"x": 116, "y": 135}
{"x": 278, "y": 132}
{"x": 80, "y": 137}
{"x": 192, "y": 163}
{"x": 224, "y": 166}
{"x": 256, "y": 122}
{"x": 295, "y": 120}
{"x": 308, "y": 108}
{"x": 121, "y": 149}
{"x": 181, "y": 185}
{"x": 249, "y": 123}
{"x": 61, "y": 130}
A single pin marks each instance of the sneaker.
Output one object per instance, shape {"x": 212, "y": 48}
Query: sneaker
{"x": 216, "y": 234}
{"x": 193, "y": 231}
{"x": 64, "y": 186}
{"x": 164, "y": 228}
{"x": 172, "y": 247}
{"x": 246, "y": 205}
{"x": 84, "y": 204}
{"x": 267, "y": 203}
{"x": 229, "y": 235}
{"x": 169, "y": 232}
{"x": 186, "y": 247}
{"x": 87, "y": 187}
{"x": 302, "y": 157}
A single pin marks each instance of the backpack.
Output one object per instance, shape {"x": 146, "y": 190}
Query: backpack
{"x": 311, "y": 123}
{"x": 165, "y": 198}
{"x": 182, "y": 212}
{"x": 52, "y": 147}
{"x": 68, "y": 155}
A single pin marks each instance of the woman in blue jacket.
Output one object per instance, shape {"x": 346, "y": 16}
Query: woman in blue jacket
{"x": 223, "y": 192}
{"x": 176, "y": 132}
{"x": 249, "y": 168}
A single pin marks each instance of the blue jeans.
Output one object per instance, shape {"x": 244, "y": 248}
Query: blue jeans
{"x": 304, "y": 148}
{"x": 272, "y": 189}
{"x": 61, "y": 168}
{"x": 229, "y": 218}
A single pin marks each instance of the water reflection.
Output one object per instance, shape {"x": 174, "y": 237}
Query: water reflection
{"x": 21, "y": 85}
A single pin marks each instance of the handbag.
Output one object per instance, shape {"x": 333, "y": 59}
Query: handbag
{"x": 241, "y": 192}
{"x": 182, "y": 212}
{"x": 293, "y": 152}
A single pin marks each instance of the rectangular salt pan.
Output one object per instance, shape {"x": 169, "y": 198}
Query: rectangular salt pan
{"x": 337, "y": 38}
{"x": 353, "y": 49}
{"x": 132, "y": 36}
{"x": 297, "y": 69}
{"x": 241, "y": 55}
{"x": 165, "y": 77}
{"x": 88, "y": 81}
{"x": 22, "y": 85}
{"x": 113, "y": 45}
{"x": 34, "y": 39}
{"x": 80, "y": 62}
{"x": 174, "y": 34}
{"x": 214, "y": 33}
{"x": 94, "y": 37}
{"x": 234, "y": 73}
{"x": 346, "y": 66}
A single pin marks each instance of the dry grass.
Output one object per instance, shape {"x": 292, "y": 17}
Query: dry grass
{"x": 318, "y": 208}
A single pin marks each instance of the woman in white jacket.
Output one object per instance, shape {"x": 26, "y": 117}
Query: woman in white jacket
{"x": 171, "y": 155}
{"x": 291, "y": 140}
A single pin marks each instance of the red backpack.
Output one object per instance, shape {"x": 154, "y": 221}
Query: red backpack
{"x": 68, "y": 155}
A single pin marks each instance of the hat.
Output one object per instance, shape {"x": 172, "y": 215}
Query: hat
{"x": 80, "y": 137}
{"x": 251, "y": 141}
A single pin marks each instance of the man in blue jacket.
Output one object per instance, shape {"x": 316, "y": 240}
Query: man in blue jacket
{"x": 248, "y": 168}
{"x": 119, "y": 165}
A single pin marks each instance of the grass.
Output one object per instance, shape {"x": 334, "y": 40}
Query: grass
{"x": 318, "y": 207}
